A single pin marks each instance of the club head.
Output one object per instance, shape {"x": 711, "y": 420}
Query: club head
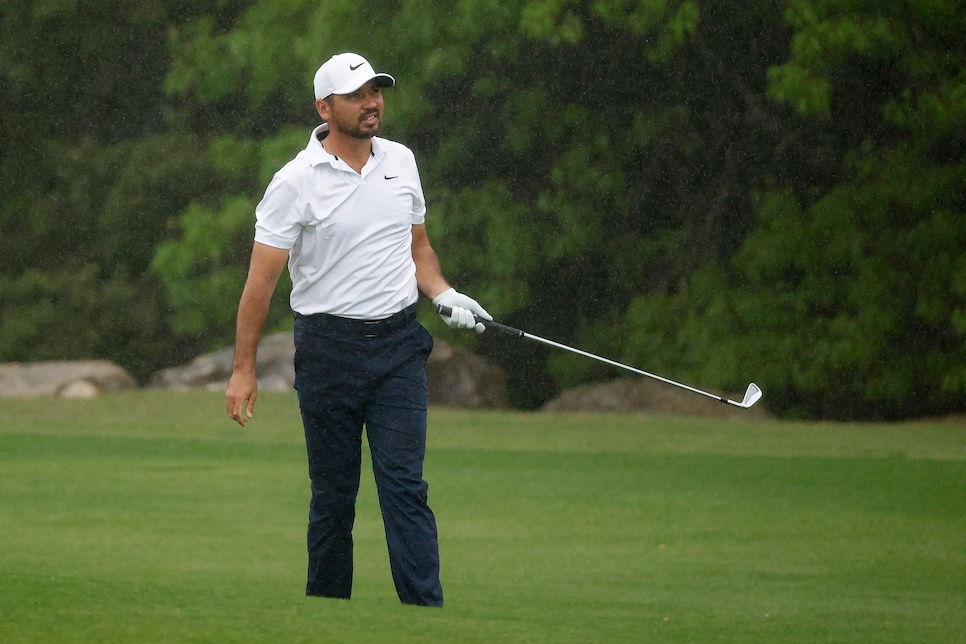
{"x": 752, "y": 395}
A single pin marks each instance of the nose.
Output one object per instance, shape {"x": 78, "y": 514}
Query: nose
{"x": 373, "y": 100}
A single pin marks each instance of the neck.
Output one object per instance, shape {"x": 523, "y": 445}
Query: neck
{"x": 355, "y": 152}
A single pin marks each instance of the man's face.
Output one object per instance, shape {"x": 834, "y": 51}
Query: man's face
{"x": 357, "y": 114}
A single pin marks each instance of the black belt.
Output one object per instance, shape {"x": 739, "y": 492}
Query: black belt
{"x": 365, "y": 328}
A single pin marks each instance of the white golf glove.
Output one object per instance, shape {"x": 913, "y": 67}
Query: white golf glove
{"x": 463, "y": 310}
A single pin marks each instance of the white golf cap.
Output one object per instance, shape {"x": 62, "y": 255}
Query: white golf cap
{"x": 345, "y": 73}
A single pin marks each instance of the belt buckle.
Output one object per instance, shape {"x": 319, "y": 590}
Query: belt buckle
{"x": 369, "y": 327}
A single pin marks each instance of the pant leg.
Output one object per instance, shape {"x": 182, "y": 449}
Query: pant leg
{"x": 396, "y": 429}
{"x": 331, "y": 399}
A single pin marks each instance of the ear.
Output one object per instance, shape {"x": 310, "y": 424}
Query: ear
{"x": 322, "y": 108}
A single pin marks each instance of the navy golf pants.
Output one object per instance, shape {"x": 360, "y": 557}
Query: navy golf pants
{"x": 351, "y": 373}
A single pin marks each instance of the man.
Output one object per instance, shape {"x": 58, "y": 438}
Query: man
{"x": 347, "y": 214}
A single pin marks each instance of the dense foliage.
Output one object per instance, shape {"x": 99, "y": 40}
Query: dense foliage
{"x": 93, "y": 173}
{"x": 715, "y": 191}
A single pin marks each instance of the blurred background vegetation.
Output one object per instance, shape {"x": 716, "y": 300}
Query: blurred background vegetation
{"x": 716, "y": 191}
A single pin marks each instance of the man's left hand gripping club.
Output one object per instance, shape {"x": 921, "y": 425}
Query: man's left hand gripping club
{"x": 464, "y": 309}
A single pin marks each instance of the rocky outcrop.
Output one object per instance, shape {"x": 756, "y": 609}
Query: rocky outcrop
{"x": 457, "y": 378}
{"x": 211, "y": 371}
{"x": 640, "y": 395}
{"x": 66, "y": 379}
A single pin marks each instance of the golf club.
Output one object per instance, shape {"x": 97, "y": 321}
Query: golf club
{"x": 752, "y": 394}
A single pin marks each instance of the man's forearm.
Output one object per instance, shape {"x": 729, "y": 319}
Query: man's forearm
{"x": 252, "y": 311}
{"x": 429, "y": 274}
{"x": 266, "y": 266}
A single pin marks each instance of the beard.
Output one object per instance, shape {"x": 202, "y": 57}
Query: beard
{"x": 355, "y": 130}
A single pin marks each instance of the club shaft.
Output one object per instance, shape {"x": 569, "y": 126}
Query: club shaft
{"x": 614, "y": 363}
{"x": 752, "y": 395}
{"x": 517, "y": 333}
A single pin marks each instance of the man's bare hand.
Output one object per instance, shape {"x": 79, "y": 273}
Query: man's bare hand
{"x": 240, "y": 397}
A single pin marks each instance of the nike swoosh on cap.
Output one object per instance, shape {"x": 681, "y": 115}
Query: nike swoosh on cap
{"x": 352, "y": 69}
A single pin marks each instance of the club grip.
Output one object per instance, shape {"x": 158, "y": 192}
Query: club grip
{"x": 496, "y": 326}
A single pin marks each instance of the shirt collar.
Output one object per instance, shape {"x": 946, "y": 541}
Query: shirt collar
{"x": 319, "y": 155}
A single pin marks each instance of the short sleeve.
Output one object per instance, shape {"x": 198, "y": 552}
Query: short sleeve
{"x": 277, "y": 220}
{"x": 419, "y": 201}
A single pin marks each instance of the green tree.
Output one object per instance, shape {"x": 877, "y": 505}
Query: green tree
{"x": 716, "y": 191}
{"x": 849, "y": 298}
{"x": 92, "y": 173}
{"x": 575, "y": 154}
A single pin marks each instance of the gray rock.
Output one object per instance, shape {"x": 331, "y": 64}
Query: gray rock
{"x": 211, "y": 371}
{"x": 67, "y": 379}
{"x": 458, "y": 378}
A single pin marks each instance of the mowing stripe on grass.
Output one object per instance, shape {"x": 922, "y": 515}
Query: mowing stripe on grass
{"x": 553, "y": 528}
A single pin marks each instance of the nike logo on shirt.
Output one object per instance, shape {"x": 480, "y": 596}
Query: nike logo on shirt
{"x": 387, "y": 177}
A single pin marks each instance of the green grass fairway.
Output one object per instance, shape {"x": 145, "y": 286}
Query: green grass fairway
{"x": 150, "y": 517}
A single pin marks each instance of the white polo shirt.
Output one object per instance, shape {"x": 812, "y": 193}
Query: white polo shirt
{"x": 349, "y": 235}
